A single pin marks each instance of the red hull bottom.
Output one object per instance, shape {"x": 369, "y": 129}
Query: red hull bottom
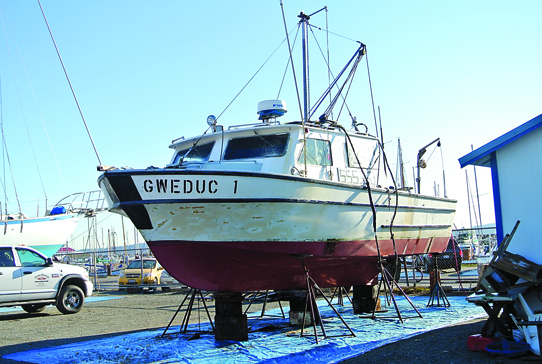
{"x": 252, "y": 266}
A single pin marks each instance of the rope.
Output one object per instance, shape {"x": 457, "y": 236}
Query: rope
{"x": 69, "y": 82}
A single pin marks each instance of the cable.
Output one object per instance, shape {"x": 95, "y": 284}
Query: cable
{"x": 38, "y": 110}
{"x": 371, "y": 90}
{"x": 69, "y": 82}
{"x": 371, "y": 201}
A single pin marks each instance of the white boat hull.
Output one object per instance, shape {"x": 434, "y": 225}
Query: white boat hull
{"x": 201, "y": 223}
{"x": 45, "y": 234}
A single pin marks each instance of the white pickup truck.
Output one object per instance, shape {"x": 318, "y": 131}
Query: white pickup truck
{"x": 31, "y": 280}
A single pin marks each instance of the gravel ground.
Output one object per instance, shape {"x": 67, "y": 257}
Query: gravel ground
{"x": 21, "y": 331}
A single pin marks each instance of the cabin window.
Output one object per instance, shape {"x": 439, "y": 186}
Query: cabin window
{"x": 318, "y": 153}
{"x": 366, "y": 151}
{"x": 258, "y": 146}
{"x": 199, "y": 153}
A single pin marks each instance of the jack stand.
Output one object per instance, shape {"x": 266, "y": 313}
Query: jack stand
{"x": 387, "y": 280}
{"x": 265, "y": 304}
{"x": 340, "y": 292}
{"x": 312, "y": 288}
{"x": 437, "y": 290}
{"x": 192, "y": 293}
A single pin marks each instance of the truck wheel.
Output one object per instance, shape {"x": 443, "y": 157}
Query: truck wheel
{"x": 38, "y": 307}
{"x": 70, "y": 300}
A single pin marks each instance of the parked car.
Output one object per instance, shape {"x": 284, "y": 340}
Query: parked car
{"x": 452, "y": 257}
{"x": 31, "y": 280}
{"x": 167, "y": 282}
{"x": 131, "y": 276}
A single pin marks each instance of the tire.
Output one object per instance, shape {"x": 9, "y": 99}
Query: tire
{"x": 38, "y": 307}
{"x": 70, "y": 300}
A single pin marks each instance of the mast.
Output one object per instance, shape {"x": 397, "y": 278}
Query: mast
{"x": 305, "y": 50}
{"x": 477, "y": 194}
{"x": 400, "y": 164}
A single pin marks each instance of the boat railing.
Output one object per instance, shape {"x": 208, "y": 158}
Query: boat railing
{"x": 86, "y": 203}
{"x": 274, "y": 122}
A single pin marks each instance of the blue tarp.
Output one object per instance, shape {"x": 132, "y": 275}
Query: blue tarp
{"x": 271, "y": 339}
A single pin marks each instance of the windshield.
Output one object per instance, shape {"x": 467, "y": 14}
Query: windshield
{"x": 199, "y": 153}
{"x": 258, "y": 146}
{"x": 147, "y": 264}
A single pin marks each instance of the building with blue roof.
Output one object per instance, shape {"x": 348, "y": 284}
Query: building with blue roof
{"x": 515, "y": 159}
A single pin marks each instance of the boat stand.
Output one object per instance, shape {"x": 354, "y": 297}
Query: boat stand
{"x": 310, "y": 300}
{"x": 341, "y": 293}
{"x": 265, "y": 305}
{"x": 437, "y": 291}
{"x": 184, "y": 325}
{"x": 387, "y": 280}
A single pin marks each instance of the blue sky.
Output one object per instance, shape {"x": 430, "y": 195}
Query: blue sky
{"x": 146, "y": 73}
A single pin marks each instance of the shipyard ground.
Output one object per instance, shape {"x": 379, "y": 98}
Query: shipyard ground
{"x": 114, "y": 313}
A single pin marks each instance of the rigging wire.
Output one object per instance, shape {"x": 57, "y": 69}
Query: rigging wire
{"x": 444, "y": 176}
{"x": 5, "y": 156}
{"x": 296, "y": 85}
{"x": 356, "y": 59}
{"x": 327, "y": 62}
{"x": 11, "y": 169}
{"x": 329, "y": 75}
{"x": 69, "y": 82}
{"x": 250, "y": 80}
{"x": 343, "y": 105}
{"x": 430, "y": 155}
{"x": 22, "y": 110}
{"x": 38, "y": 110}
{"x": 284, "y": 74}
{"x": 292, "y": 58}
{"x": 371, "y": 90}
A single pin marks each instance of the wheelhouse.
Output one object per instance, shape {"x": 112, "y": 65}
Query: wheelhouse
{"x": 290, "y": 149}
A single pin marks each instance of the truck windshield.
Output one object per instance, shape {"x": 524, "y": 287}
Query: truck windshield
{"x": 147, "y": 264}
